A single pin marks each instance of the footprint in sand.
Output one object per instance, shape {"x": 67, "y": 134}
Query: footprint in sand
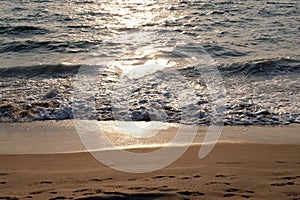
{"x": 100, "y": 180}
{"x": 280, "y": 162}
{"x": 191, "y": 193}
{"x": 81, "y": 190}
{"x": 159, "y": 177}
{"x": 136, "y": 188}
{"x": 96, "y": 180}
{"x": 151, "y": 188}
{"x": 58, "y": 198}
{"x": 37, "y": 192}
{"x": 45, "y": 182}
{"x": 227, "y": 176}
{"x": 232, "y": 195}
{"x": 185, "y": 178}
{"x": 213, "y": 183}
{"x": 86, "y": 192}
{"x": 114, "y": 186}
{"x": 239, "y": 190}
{"x": 115, "y": 193}
{"x": 295, "y": 177}
{"x": 9, "y": 198}
{"x": 221, "y": 176}
{"x": 283, "y": 184}
{"x": 233, "y": 192}
{"x": 40, "y": 191}
{"x": 167, "y": 189}
{"x": 288, "y": 178}
{"x": 53, "y": 192}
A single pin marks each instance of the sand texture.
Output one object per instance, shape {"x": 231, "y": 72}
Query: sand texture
{"x": 233, "y": 171}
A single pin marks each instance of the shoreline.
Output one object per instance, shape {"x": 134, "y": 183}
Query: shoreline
{"x": 51, "y": 137}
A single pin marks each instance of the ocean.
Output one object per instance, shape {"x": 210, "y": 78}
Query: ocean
{"x": 187, "y": 61}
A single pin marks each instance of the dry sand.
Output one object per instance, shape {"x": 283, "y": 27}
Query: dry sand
{"x": 230, "y": 171}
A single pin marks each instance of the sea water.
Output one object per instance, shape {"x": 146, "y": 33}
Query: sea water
{"x": 131, "y": 49}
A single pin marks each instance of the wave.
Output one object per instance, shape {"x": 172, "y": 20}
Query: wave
{"x": 267, "y": 67}
{"x": 45, "y": 92}
{"x": 46, "y": 46}
{"x": 21, "y": 30}
{"x": 223, "y": 52}
{"x": 39, "y": 70}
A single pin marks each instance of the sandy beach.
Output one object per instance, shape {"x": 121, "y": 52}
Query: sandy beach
{"x": 231, "y": 170}
{"x": 115, "y": 99}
